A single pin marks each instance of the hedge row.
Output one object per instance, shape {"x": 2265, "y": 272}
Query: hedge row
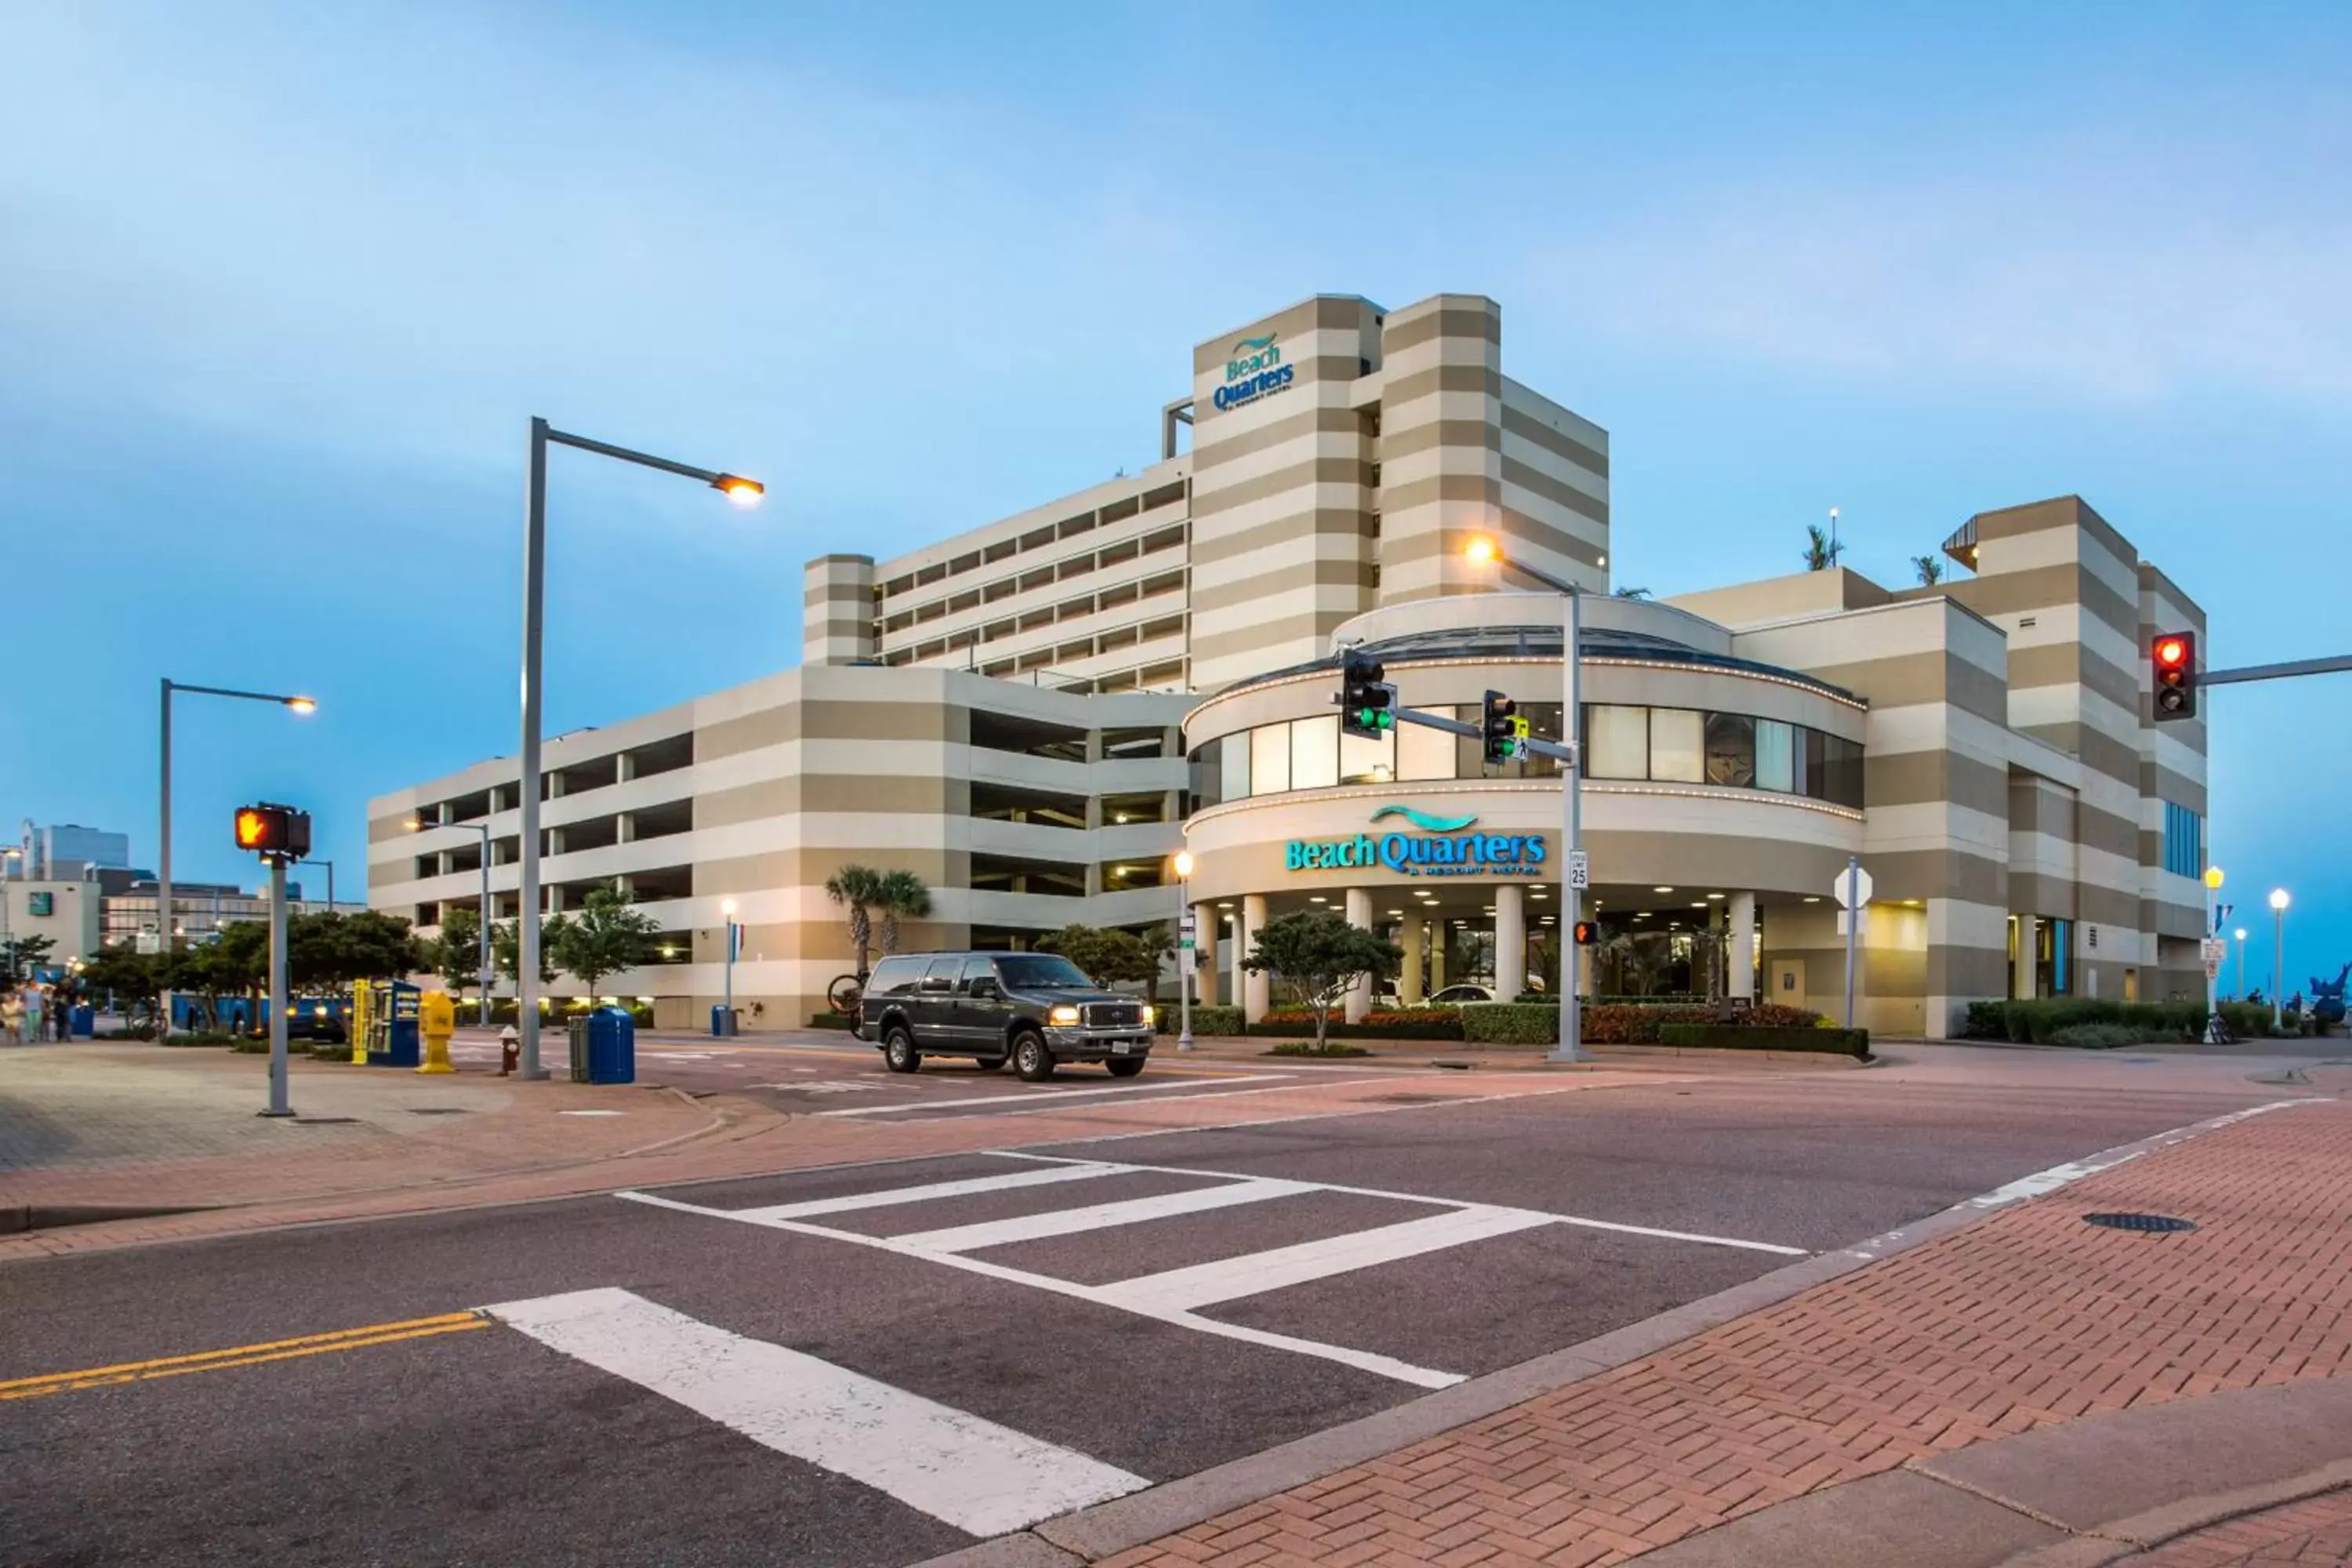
{"x": 1855, "y": 1043}
{"x": 2038, "y": 1022}
{"x": 1611, "y": 1024}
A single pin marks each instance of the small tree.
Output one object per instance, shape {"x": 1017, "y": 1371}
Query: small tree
{"x": 1105, "y": 956}
{"x": 456, "y": 956}
{"x": 1930, "y": 569}
{"x": 1632, "y": 594}
{"x": 608, "y": 937}
{"x": 900, "y": 893}
{"x": 21, "y": 953}
{"x": 1320, "y": 955}
{"x": 506, "y": 947}
{"x": 1821, "y": 551}
{"x": 134, "y": 979}
{"x": 861, "y": 889}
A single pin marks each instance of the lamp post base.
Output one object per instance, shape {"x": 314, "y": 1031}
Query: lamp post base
{"x": 273, "y": 1113}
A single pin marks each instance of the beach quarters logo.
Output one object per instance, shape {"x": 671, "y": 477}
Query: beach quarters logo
{"x": 1255, "y": 370}
{"x": 1443, "y": 847}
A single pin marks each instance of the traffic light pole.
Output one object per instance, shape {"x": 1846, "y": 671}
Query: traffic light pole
{"x": 277, "y": 1106}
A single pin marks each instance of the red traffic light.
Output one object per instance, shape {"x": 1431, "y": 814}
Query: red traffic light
{"x": 2172, "y": 652}
{"x": 1587, "y": 932}
{"x": 2172, "y": 657}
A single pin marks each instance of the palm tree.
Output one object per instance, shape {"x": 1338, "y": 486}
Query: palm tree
{"x": 1633, "y": 592}
{"x": 1930, "y": 569}
{"x": 1820, "y": 552}
{"x": 901, "y": 893}
{"x": 861, "y": 889}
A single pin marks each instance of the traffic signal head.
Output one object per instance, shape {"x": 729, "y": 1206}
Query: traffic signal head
{"x": 1367, "y": 703}
{"x": 1501, "y": 729}
{"x": 1587, "y": 932}
{"x": 274, "y": 832}
{"x": 2172, "y": 662}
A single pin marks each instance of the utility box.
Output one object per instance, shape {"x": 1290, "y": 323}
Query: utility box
{"x": 723, "y": 1021}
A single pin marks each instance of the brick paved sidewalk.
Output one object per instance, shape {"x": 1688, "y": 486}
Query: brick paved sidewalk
{"x": 2025, "y": 1320}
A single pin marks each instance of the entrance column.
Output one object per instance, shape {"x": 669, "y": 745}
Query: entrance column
{"x": 1436, "y": 952}
{"x": 1359, "y": 995}
{"x": 2027, "y": 948}
{"x": 1510, "y": 942}
{"x": 1743, "y": 947}
{"x": 1410, "y": 938}
{"x": 1255, "y": 988}
{"x": 1204, "y": 954}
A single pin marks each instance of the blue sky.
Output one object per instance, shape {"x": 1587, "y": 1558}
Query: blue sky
{"x": 280, "y": 286}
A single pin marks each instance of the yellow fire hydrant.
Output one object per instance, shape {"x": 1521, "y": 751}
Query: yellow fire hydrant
{"x": 438, "y": 1022}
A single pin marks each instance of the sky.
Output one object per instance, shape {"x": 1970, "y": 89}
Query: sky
{"x": 281, "y": 285}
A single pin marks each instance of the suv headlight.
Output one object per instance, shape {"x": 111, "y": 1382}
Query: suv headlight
{"x": 1064, "y": 1015}
{"x": 1151, "y": 1015}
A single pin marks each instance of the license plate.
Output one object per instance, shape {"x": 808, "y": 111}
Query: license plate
{"x": 1127, "y": 1048}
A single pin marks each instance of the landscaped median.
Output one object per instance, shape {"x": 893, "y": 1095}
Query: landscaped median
{"x": 1526, "y": 1024}
{"x": 2095, "y": 1023}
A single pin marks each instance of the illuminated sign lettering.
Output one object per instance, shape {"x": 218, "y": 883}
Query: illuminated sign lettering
{"x": 1444, "y": 847}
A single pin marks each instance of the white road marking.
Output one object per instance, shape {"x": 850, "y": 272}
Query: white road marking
{"x": 2057, "y": 1176}
{"x": 591, "y": 1113}
{"x": 1363, "y": 1361}
{"x": 1099, "y": 1216}
{"x": 888, "y": 1197}
{"x": 1253, "y": 1274}
{"x": 1046, "y": 1098}
{"x": 1580, "y": 1221}
{"x": 977, "y": 1476}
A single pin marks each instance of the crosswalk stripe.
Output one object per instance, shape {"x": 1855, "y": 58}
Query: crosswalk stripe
{"x": 1099, "y": 1216}
{"x": 1047, "y": 1098}
{"x": 1255, "y": 1273}
{"x": 975, "y": 1475}
{"x": 889, "y": 1198}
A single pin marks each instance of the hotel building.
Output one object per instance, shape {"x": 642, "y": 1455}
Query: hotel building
{"x": 1034, "y": 715}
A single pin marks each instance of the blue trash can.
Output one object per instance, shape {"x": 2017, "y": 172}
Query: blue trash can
{"x": 612, "y": 1046}
{"x": 723, "y": 1021}
{"x": 83, "y": 1023}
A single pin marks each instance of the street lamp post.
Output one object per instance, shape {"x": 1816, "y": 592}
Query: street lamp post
{"x": 2214, "y": 1033}
{"x": 1572, "y": 773}
{"x": 2238, "y": 990}
{"x": 329, "y": 864}
{"x": 741, "y": 491}
{"x": 727, "y": 1005}
{"x": 2278, "y": 951}
{"x": 1187, "y": 952}
{"x": 483, "y": 971}
{"x": 164, "y": 933}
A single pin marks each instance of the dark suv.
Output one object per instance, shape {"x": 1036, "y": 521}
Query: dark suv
{"x": 1034, "y": 1010}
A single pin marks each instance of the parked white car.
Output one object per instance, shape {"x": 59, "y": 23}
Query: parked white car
{"x": 1455, "y": 995}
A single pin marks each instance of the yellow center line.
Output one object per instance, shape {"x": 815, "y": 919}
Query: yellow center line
{"x": 242, "y": 1356}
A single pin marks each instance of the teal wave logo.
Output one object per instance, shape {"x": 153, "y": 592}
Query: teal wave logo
{"x": 1423, "y": 821}
{"x": 1254, "y": 345}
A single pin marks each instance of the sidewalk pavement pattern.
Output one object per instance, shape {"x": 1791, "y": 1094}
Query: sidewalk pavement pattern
{"x": 2029, "y": 1319}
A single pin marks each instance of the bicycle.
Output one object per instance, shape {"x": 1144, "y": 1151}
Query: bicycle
{"x": 843, "y": 996}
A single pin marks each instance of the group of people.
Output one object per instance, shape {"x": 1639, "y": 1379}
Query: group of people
{"x": 31, "y": 1013}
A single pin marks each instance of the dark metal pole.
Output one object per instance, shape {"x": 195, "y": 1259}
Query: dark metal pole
{"x": 277, "y": 1106}
{"x": 534, "y": 588}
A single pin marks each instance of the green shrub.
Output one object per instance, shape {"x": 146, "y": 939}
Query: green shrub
{"x": 2247, "y": 1020}
{"x": 2037, "y": 1022}
{"x": 1630, "y": 1024}
{"x": 1986, "y": 1021}
{"x": 1412, "y": 1024}
{"x": 2099, "y": 1037}
{"x": 1310, "y": 1048}
{"x": 1511, "y": 1023}
{"x": 1852, "y": 1042}
{"x": 1215, "y": 1020}
{"x": 829, "y": 1019}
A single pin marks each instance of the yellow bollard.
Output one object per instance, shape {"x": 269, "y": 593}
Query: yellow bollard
{"x": 437, "y": 1023}
{"x": 363, "y": 1012}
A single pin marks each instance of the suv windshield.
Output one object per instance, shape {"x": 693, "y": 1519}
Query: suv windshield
{"x": 1042, "y": 971}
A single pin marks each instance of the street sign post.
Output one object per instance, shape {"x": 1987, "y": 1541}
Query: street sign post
{"x": 1852, "y": 891}
{"x": 1580, "y": 869}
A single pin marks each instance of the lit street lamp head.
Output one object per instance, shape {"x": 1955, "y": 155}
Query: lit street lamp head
{"x": 2278, "y": 898}
{"x": 727, "y": 908}
{"x": 739, "y": 490}
{"x": 1479, "y": 551}
{"x": 1183, "y": 864}
{"x": 304, "y": 705}
{"x": 2213, "y": 878}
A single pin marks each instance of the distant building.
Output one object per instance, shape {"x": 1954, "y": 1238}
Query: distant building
{"x": 67, "y": 850}
{"x": 65, "y": 910}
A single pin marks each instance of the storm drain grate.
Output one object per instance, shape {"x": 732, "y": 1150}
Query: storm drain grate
{"x": 2150, "y": 1223}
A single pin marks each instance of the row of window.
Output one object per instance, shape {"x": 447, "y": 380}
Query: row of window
{"x": 1075, "y": 609}
{"x": 2184, "y": 841}
{"x": 1664, "y": 745}
{"x": 1111, "y": 555}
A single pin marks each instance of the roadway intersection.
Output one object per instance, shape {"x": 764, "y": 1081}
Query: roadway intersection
{"x": 873, "y": 1363}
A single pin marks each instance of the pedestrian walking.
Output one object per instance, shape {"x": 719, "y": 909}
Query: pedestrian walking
{"x": 12, "y": 1015}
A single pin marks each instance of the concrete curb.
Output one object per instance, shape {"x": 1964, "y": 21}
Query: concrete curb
{"x": 1106, "y": 1529}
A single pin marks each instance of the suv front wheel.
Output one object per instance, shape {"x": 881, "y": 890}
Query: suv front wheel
{"x": 1030, "y": 1060}
{"x": 898, "y": 1053}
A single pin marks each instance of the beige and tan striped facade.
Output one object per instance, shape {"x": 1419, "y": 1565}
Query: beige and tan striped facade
{"x": 2027, "y": 827}
{"x": 1340, "y": 458}
{"x": 1023, "y": 809}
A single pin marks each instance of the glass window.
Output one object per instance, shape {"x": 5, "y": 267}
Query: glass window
{"x": 941, "y": 975}
{"x": 1731, "y": 750}
{"x": 1543, "y": 724}
{"x": 975, "y": 969}
{"x": 1424, "y": 753}
{"x": 1042, "y": 971}
{"x": 1617, "y": 741}
{"x": 1363, "y": 759}
{"x": 1315, "y": 752}
{"x": 1677, "y": 743}
{"x": 1235, "y": 765}
{"x": 1269, "y": 759}
{"x": 892, "y": 976}
{"x": 1775, "y": 755}
{"x": 1842, "y": 772}
{"x": 1804, "y": 761}
{"x": 1205, "y": 778}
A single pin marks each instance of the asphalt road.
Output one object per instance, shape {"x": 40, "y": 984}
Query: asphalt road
{"x": 872, "y": 1364}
